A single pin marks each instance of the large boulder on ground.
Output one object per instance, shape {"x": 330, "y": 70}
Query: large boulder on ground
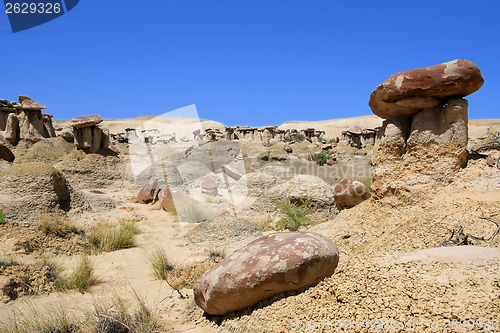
{"x": 29, "y": 189}
{"x": 168, "y": 197}
{"x": 349, "y": 193}
{"x": 67, "y": 134}
{"x": 406, "y": 93}
{"x": 148, "y": 193}
{"x": 270, "y": 265}
{"x": 223, "y": 231}
{"x": 166, "y": 173}
{"x": 255, "y": 184}
{"x": 215, "y": 154}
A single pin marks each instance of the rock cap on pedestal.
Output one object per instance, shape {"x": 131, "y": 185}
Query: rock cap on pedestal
{"x": 29, "y": 104}
{"x": 81, "y": 122}
{"x": 406, "y": 93}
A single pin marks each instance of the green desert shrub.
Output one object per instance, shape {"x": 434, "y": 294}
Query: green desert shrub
{"x": 2, "y": 217}
{"x": 107, "y": 237}
{"x": 296, "y": 214}
{"x": 321, "y": 158}
{"x": 299, "y": 137}
{"x": 368, "y": 183}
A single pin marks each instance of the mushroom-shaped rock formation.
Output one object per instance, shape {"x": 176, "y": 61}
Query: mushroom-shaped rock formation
{"x": 406, "y": 93}
{"x": 88, "y": 135}
{"x": 423, "y": 141}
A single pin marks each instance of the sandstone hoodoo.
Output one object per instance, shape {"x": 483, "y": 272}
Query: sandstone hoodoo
{"x": 24, "y": 121}
{"x": 88, "y": 135}
{"x": 269, "y": 265}
{"x": 423, "y": 142}
{"x": 349, "y": 193}
{"x": 406, "y": 93}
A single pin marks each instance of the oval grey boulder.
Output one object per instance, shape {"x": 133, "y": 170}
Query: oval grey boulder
{"x": 269, "y": 265}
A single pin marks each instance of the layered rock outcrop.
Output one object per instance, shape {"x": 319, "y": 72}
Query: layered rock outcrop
{"x": 424, "y": 138}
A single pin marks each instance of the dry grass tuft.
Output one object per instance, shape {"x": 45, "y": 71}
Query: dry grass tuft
{"x": 7, "y": 260}
{"x": 107, "y": 237}
{"x": 160, "y": 264}
{"x": 182, "y": 276}
{"x": 119, "y": 316}
{"x": 82, "y": 278}
{"x": 55, "y": 224}
{"x": 185, "y": 276}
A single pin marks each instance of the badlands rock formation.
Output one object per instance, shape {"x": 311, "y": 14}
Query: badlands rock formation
{"x": 88, "y": 135}
{"x": 267, "y": 266}
{"x": 424, "y": 138}
{"x": 24, "y": 121}
{"x": 32, "y": 188}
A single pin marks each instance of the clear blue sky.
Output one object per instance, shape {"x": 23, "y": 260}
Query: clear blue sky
{"x": 243, "y": 62}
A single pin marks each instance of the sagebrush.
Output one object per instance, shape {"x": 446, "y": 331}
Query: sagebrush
{"x": 296, "y": 214}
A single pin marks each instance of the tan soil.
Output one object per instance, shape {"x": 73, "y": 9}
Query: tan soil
{"x": 23, "y": 240}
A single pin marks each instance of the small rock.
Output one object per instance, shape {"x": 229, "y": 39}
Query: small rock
{"x": 349, "y": 193}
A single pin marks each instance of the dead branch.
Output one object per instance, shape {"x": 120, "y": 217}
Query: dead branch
{"x": 176, "y": 289}
{"x": 497, "y": 223}
{"x": 458, "y": 237}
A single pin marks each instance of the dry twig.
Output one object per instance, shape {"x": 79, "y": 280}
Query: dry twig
{"x": 458, "y": 237}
